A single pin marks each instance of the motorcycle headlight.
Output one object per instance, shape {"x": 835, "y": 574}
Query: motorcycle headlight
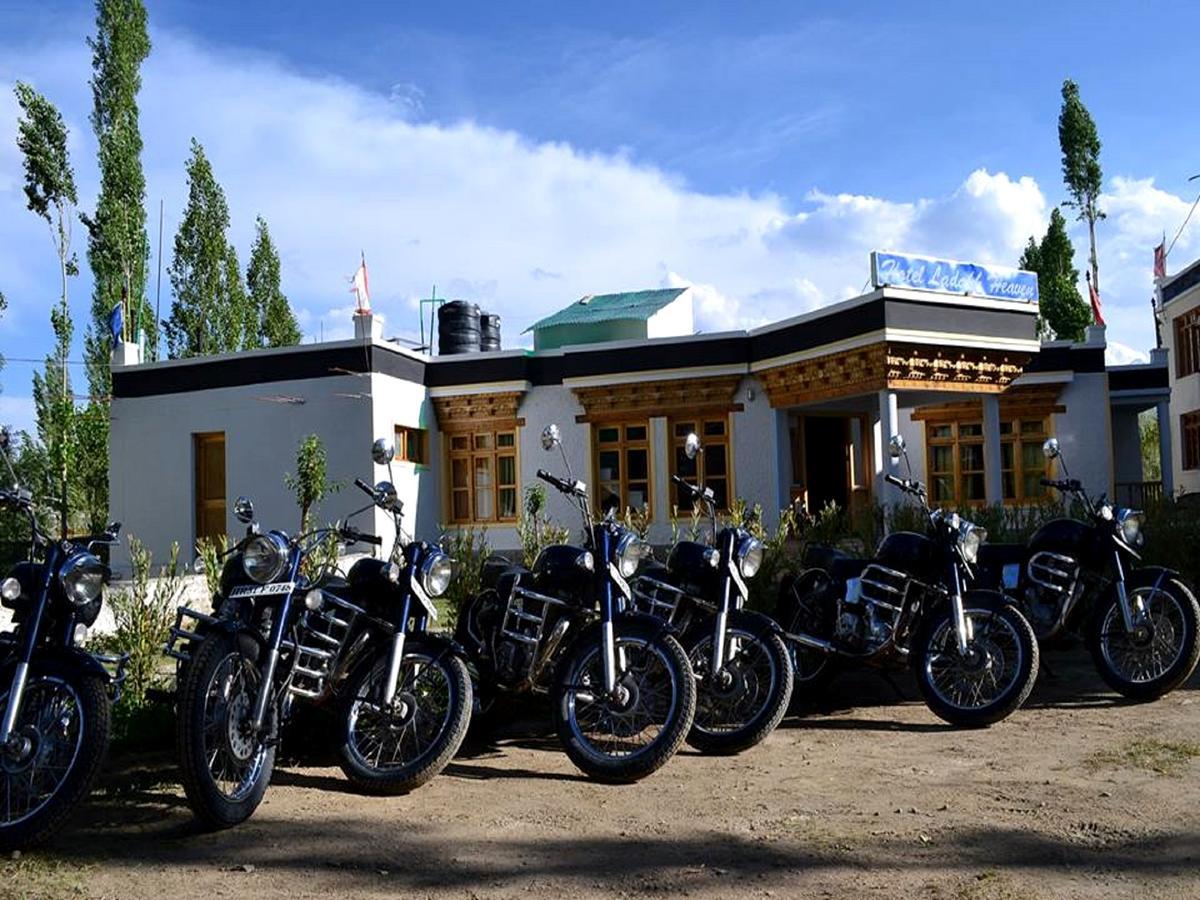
{"x": 83, "y": 577}
{"x": 1131, "y": 527}
{"x": 436, "y": 572}
{"x": 749, "y": 556}
{"x": 970, "y": 539}
{"x": 263, "y": 558}
{"x": 630, "y": 552}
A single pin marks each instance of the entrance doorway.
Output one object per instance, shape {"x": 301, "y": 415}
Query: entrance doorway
{"x": 826, "y": 461}
{"x": 210, "y": 484}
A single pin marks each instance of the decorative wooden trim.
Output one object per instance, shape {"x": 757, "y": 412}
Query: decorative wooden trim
{"x": 892, "y": 366}
{"x": 1027, "y": 401}
{"x": 465, "y": 412}
{"x": 648, "y": 399}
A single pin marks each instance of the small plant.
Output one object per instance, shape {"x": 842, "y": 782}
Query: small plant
{"x": 638, "y": 521}
{"x": 310, "y": 484}
{"x": 535, "y": 529}
{"x": 468, "y": 547}
{"x": 209, "y": 552}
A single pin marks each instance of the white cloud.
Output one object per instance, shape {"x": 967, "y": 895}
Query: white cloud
{"x": 1118, "y": 354}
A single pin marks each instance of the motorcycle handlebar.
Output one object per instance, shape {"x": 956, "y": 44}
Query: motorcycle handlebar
{"x": 353, "y": 534}
{"x": 898, "y": 482}
{"x": 364, "y": 487}
{"x": 554, "y": 481}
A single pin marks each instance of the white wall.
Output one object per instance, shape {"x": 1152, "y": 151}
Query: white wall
{"x": 673, "y": 320}
{"x": 1084, "y": 431}
{"x": 398, "y": 402}
{"x": 756, "y": 458}
{"x": 1185, "y": 392}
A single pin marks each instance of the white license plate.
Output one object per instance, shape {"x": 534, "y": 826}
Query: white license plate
{"x": 262, "y": 590}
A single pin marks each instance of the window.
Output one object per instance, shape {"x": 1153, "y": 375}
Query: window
{"x": 957, "y": 472}
{"x": 1187, "y": 343}
{"x": 412, "y": 445}
{"x": 622, "y": 453}
{"x": 711, "y": 466}
{"x": 1189, "y": 436}
{"x": 209, "y": 452}
{"x": 483, "y": 476}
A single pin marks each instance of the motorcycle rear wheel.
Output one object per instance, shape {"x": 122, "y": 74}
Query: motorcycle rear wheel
{"x": 387, "y": 752}
{"x": 65, "y": 716}
{"x": 225, "y": 770}
{"x": 619, "y": 743}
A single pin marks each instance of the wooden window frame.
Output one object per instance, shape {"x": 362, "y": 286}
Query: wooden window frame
{"x": 1187, "y": 343}
{"x": 676, "y": 442}
{"x": 494, "y": 454}
{"x": 406, "y": 436}
{"x": 623, "y": 445}
{"x": 1189, "y": 440}
{"x": 1015, "y": 438}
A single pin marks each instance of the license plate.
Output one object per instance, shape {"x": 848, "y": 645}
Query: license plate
{"x": 262, "y": 590}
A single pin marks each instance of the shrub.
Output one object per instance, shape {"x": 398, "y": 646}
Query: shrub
{"x": 468, "y": 547}
{"x": 534, "y": 529}
{"x": 209, "y": 552}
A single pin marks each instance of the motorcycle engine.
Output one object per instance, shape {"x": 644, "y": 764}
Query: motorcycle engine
{"x": 1053, "y": 581}
{"x": 862, "y": 624}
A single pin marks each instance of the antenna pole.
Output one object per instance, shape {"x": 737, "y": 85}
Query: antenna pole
{"x": 158, "y": 286}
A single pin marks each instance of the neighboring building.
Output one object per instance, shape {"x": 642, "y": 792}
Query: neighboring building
{"x": 631, "y": 316}
{"x": 1180, "y": 315}
{"x": 800, "y": 409}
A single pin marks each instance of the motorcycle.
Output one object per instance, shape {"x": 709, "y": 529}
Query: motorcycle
{"x": 358, "y": 643}
{"x": 973, "y": 654}
{"x": 1140, "y": 621}
{"x": 742, "y": 666}
{"x": 621, "y": 685}
{"x": 58, "y": 696}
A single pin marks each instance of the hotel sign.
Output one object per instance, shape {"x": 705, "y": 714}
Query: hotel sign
{"x": 946, "y": 276}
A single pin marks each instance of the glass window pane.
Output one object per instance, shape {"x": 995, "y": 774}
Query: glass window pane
{"x": 1032, "y": 459}
{"x": 720, "y": 491}
{"x": 941, "y": 431}
{"x": 1009, "y": 485}
{"x": 608, "y": 435}
{"x": 459, "y": 477}
{"x": 942, "y": 458}
{"x": 459, "y": 442}
{"x": 970, "y": 456}
{"x": 714, "y": 427}
{"x": 1006, "y": 427}
{"x": 610, "y": 497}
{"x": 715, "y": 463}
{"x": 483, "y": 473}
{"x": 639, "y": 496}
{"x": 684, "y": 467}
{"x": 609, "y": 465}
{"x": 970, "y": 429}
{"x": 1034, "y": 489}
{"x": 635, "y": 432}
{"x": 462, "y": 506}
{"x": 639, "y": 464}
{"x": 943, "y": 488}
{"x": 683, "y": 429}
{"x": 972, "y": 488}
{"x": 1032, "y": 426}
{"x": 506, "y": 439}
{"x": 508, "y": 503}
{"x": 506, "y": 470}
{"x": 1006, "y": 456}
{"x": 483, "y": 441}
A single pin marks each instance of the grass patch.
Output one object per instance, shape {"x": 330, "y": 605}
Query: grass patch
{"x": 1148, "y": 755}
{"x": 36, "y": 876}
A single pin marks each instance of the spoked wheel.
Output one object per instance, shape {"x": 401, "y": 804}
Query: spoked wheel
{"x": 739, "y": 706}
{"x": 812, "y": 669}
{"x": 995, "y": 675}
{"x": 394, "y": 749}
{"x": 632, "y": 733}
{"x": 1161, "y": 651}
{"x": 226, "y": 766}
{"x": 59, "y": 744}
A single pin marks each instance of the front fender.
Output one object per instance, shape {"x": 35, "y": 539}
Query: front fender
{"x": 758, "y": 624}
{"x": 73, "y": 659}
{"x": 659, "y": 626}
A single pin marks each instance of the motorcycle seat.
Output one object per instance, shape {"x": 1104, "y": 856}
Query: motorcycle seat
{"x": 994, "y": 559}
{"x": 494, "y": 571}
{"x": 839, "y": 564}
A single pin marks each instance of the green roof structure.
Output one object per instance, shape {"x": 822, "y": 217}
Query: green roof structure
{"x": 636, "y": 305}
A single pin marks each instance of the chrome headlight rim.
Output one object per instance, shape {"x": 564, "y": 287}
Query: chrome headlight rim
{"x": 436, "y": 573}
{"x": 628, "y": 553}
{"x": 82, "y": 578}
{"x": 1131, "y": 522}
{"x": 970, "y": 538}
{"x": 748, "y": 554}
{"x": 273, "y": 549}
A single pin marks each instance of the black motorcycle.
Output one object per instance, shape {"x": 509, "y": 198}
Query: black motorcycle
{"x": 57, "y": 705}
{"x": 358, "y": 643}
{"x": 974, "y": 656}
{"x": 742, "y": 666}
{"x": 622, "y": 689}
{"x": 1140, "y": 622}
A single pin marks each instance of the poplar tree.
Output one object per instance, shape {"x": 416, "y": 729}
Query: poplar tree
{"x": 208, "y": 312}
{"x": 274, "y": 324}
{"x": 50, "y": 194}
{"x": 1062, "y": 312}
{"x": 1080, "y": 145}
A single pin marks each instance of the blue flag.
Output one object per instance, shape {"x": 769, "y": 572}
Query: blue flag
{"x": 116, "y": 323}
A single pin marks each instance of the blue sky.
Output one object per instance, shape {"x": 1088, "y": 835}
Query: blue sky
{"x": 523, "y": 154}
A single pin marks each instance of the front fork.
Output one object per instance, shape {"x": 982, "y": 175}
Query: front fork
{"x": 16, "y": 691}
{"x": 720, "y": 629}
{"x": 397, "y": 655}
{"x": 266, "y": 685}
{"x": 1132, "y": 616}
{"x": 962, "y": 628}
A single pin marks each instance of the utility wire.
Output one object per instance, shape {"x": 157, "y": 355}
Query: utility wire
{"x": 1185, "y": 221}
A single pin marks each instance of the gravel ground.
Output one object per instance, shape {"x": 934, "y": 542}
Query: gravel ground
{"x": 1078, "y": 795}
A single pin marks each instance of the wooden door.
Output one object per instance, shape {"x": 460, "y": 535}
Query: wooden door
{"x": 210, "y": 484}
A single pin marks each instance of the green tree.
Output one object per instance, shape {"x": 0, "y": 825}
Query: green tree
{"x": 50, "y": 193}
{"x": 310, "y": 484}
{"x": 1148, "y": 434}
{"x": 1062, "y": 312}
{"x": 118, "y": 247}
{"x": 1080, "y": 145}
{"x": 208, "y": 313}
{"x": 274, "y": 324}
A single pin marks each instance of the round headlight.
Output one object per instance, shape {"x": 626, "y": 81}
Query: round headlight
{"x": 263, "y": 558}
{"x": 83, "y": 578}
{"x": 970, "y": 539}
{"x": 10, "y": 589}
{"x": 436, "y": 572}
{"x": 749, "y": 556}
{"x": 629, "y": 553}
{"x": 1131, "y": 527}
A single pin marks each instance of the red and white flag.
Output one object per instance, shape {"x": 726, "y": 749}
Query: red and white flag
{"x": 362, "y": 294}
{"x": 1160, "y": 260}
{"x": 1094, "y": 296}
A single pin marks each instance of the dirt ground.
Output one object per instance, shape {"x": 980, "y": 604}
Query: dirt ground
{"x": 1075, "y": 796}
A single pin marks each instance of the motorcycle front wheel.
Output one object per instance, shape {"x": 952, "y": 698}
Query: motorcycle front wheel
{"x": 992, "y": 680}
{"x": 393, "y": 750}
{"x": 63, "y": 730}
{"x": 632, "y": 733}
{"x": 226, "y": 768}
{"x": 1161, "y": 652}
{"x": 741, "y": 705}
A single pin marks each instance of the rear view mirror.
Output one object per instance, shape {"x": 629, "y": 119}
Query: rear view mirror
{"x": 691, "y": 445}
{"x": 896, "y": 446}
{"x": 550, "y": 437}
{"x": 383, "y": 452}
{"x": 243, "y": 510}
{"x": 1050, "y": 448}
{"x": 388, "y": 498}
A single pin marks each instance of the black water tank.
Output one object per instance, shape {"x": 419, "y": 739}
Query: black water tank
{"x": 458, "y": 327}
{"x": 489, "y": 331}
